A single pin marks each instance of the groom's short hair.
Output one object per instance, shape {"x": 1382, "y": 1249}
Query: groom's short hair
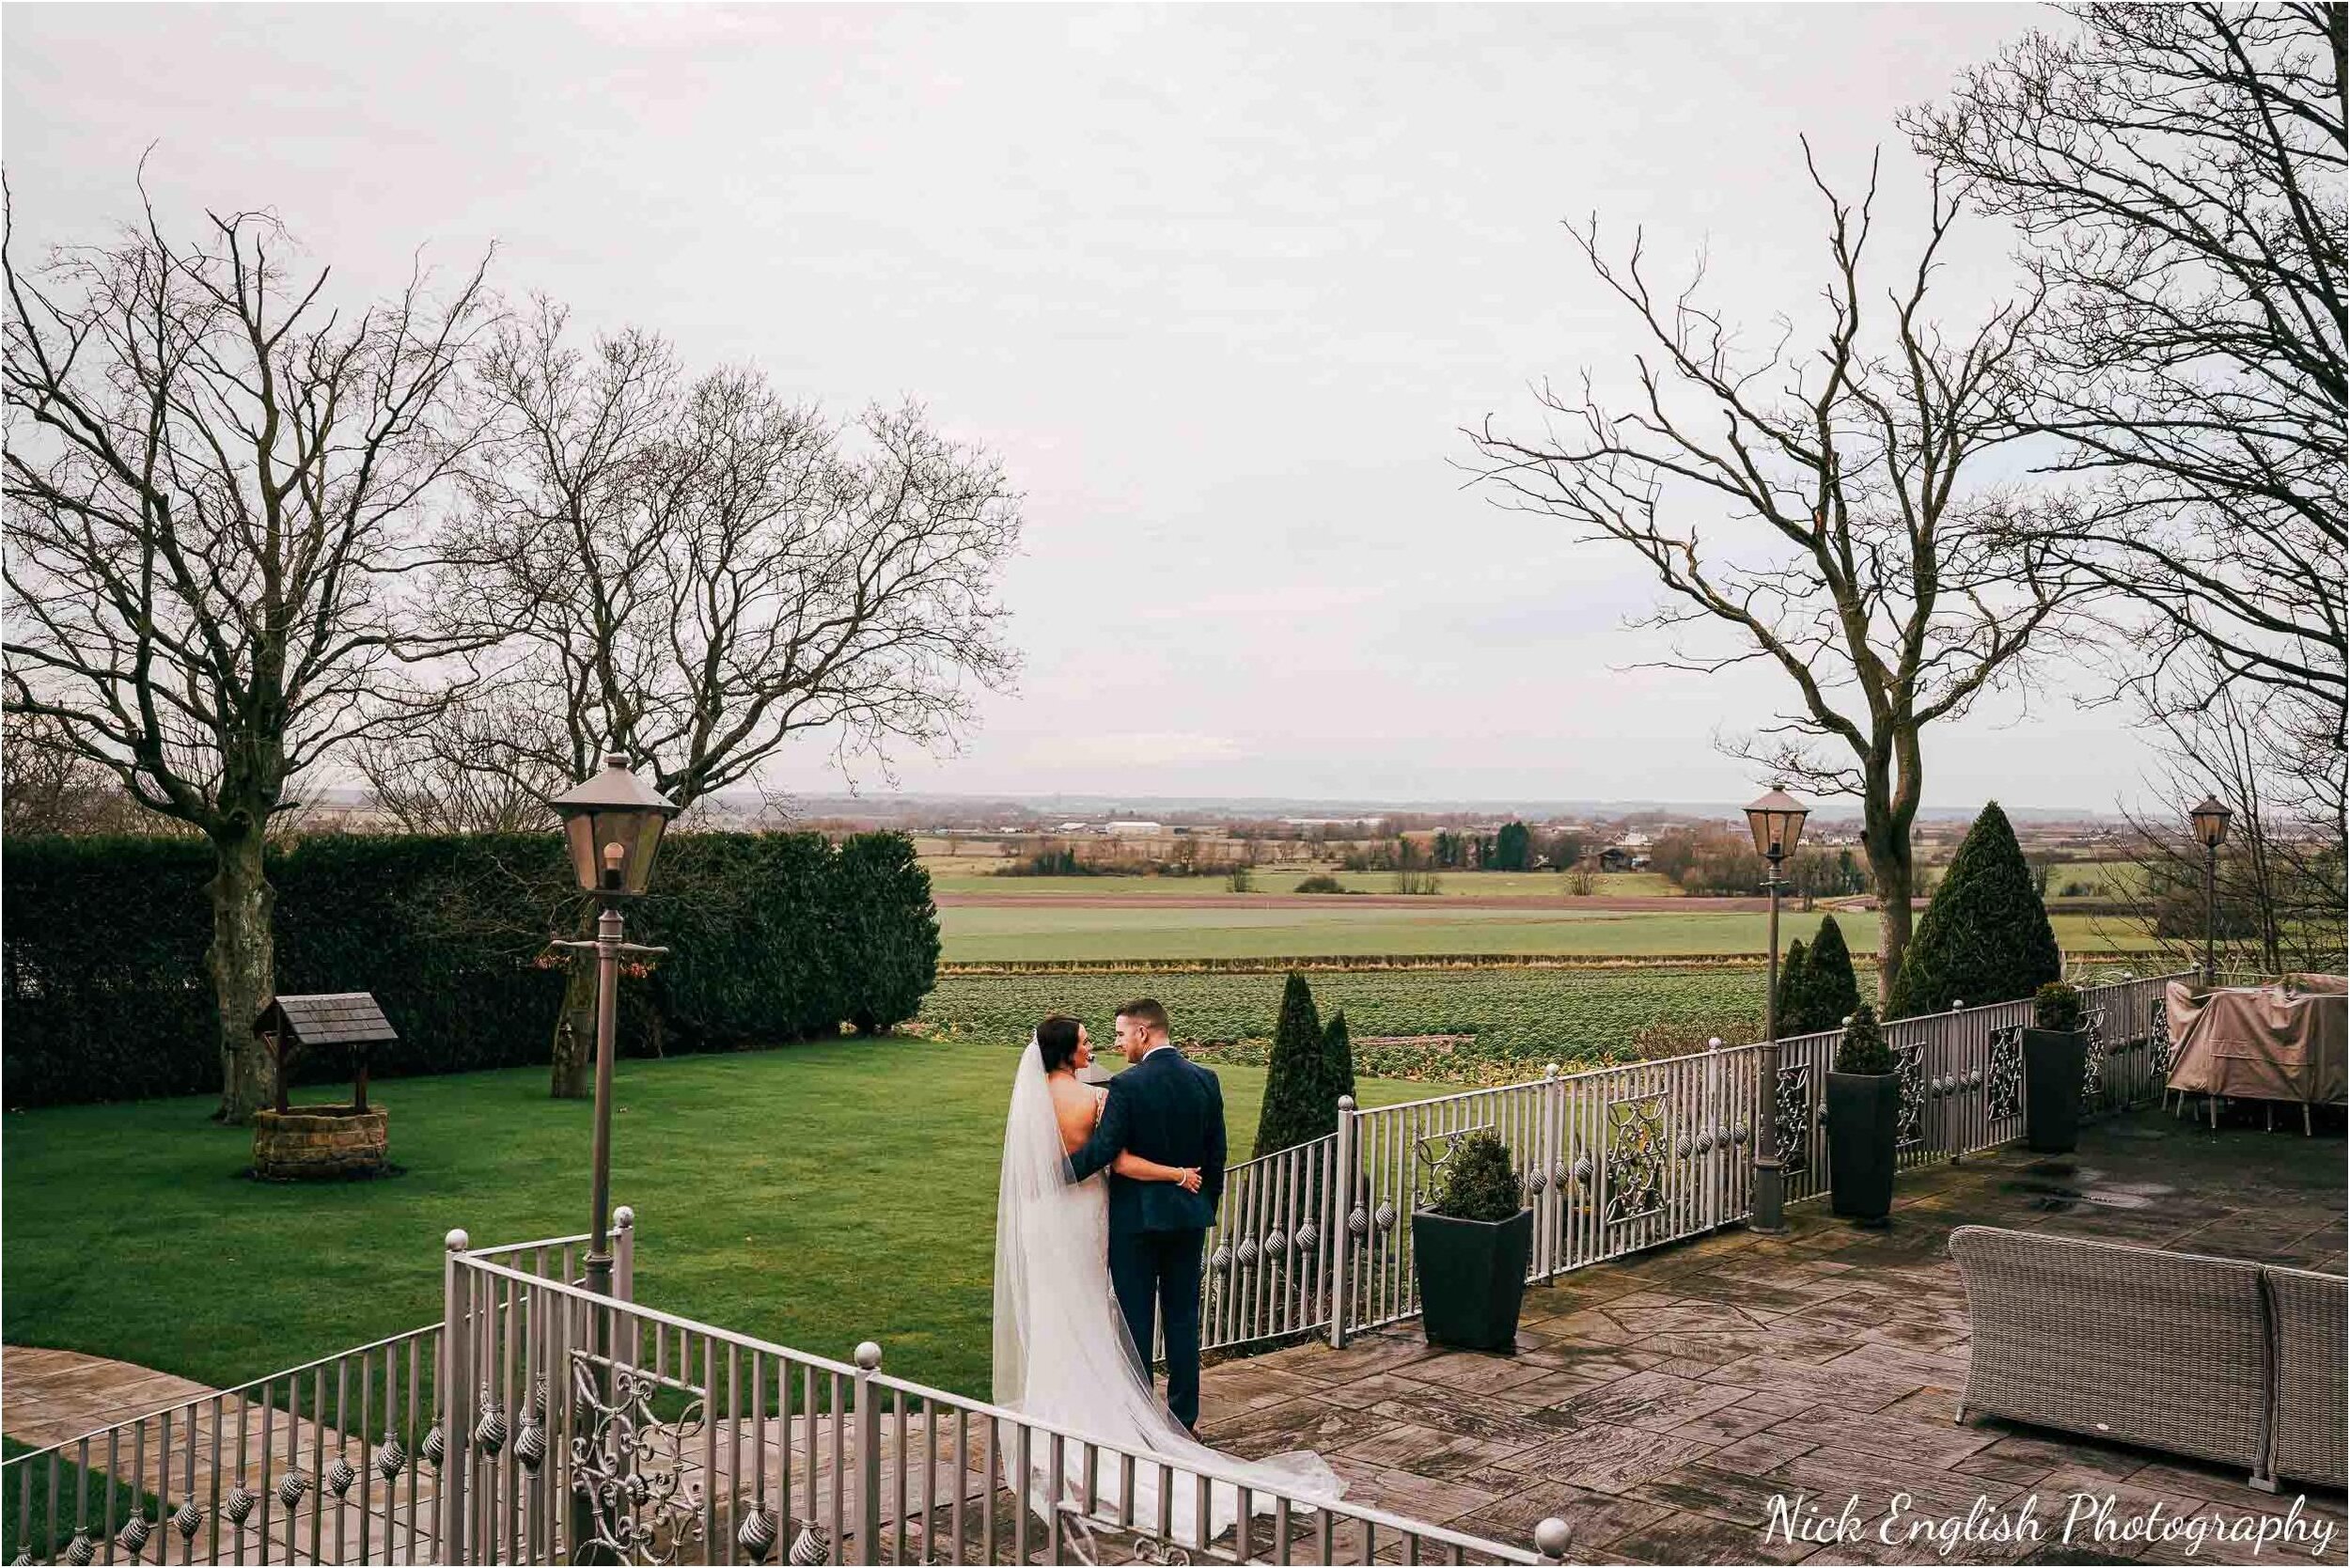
{"x": 1147, "y": 1011}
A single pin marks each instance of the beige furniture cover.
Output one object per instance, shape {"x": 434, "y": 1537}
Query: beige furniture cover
{"x": 2261, "y": 1042}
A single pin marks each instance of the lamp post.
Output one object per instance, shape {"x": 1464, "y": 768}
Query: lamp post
{"x": 2211, "y": 830}
{"x": 613, "y": 824}
{"x": 1777, "y": 823}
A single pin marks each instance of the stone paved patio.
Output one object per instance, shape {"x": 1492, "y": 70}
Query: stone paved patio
{"x": 1658, "y": 1403}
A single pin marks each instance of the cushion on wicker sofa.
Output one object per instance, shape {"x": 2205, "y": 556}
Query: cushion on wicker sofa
{"x": 2312, "y": 1389}
{"x": 2163, "y": 1349}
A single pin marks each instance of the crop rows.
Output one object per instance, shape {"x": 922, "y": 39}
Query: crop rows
{"x": 1516, "y": 1019}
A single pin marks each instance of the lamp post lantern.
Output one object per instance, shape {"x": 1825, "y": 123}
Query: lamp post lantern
{"x": 2210, "y": 831}
{"x": 612, "y": 824}
{"x": 1777, "y": 823}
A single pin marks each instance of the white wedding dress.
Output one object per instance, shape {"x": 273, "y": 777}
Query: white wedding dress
{"x": 1064, "y": 1354}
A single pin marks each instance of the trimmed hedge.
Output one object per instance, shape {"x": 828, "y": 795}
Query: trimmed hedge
{"x": 774, "y": 937}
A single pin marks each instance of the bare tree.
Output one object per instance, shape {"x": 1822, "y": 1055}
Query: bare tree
{"x": 476, "y": 765}
{"x": 2280, "y": 874}
{"x": 213, "y": 482}
{"x": 50, "y": 788}
{"x": 696, "y": 571}
{"x": 2176, "y": 174}
{"x": 1823, "y": 507}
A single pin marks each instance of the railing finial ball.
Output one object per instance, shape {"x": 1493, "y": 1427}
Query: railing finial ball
{"x": 623, "y": 1218}
{"x": 1551, "y": 1537}
{"x": 1346, "y": 1102}
{"x": 457, "y": 1241}
{"x": 869, "y": 1355}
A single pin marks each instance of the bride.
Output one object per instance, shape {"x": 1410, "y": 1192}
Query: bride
{"x": 1064, "y": 1355}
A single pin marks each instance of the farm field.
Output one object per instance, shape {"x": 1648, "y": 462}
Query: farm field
{"x": 970, "y": 876}
{"x": 1245, "y": 929}
{"x": 1519, "y": 1018}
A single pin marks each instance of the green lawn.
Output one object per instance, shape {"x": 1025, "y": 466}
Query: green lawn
{"x": 816, "y": 1195}
{"x": 978, "y": 934}
{"x": 72, "y": 1489}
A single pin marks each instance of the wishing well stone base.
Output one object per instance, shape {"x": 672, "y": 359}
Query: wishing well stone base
{"x": 319, "y": 1143}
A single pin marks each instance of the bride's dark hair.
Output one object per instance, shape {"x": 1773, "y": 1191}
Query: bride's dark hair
{"x": 1057, "y": 1041}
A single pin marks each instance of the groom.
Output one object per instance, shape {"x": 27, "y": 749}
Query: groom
{"x": 1164, "y": 1108}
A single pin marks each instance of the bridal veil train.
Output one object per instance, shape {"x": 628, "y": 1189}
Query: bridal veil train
{"x": 1062, "y": 1353}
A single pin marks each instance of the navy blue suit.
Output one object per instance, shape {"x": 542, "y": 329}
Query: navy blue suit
{"x": 1171, "y": 1110}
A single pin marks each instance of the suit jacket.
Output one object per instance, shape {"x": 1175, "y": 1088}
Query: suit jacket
{"x": 1167, "y": 1110}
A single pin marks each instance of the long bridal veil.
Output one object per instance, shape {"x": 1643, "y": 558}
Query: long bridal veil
{"x": 1064, "y": 1354}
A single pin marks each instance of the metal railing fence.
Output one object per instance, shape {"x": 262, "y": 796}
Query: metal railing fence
{"x": 670, "y": 1440}
{"x": 1623, "y": 1158}
{"x": 337, "y": 1460}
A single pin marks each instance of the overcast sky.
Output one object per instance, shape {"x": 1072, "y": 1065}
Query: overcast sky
{"x": 1220, "y": 285}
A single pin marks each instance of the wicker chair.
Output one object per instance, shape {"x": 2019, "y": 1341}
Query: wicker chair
{"x": 2312, "y": 1397}
{"x": 2162, "y": 1349}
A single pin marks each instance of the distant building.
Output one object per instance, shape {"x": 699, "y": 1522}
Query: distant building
{"x": 1134, "y": 829}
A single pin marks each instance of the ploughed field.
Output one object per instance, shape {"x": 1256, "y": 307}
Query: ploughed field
{"x": 1462, "y": 1026}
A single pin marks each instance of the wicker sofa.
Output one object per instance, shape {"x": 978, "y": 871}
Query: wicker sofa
{"x": 2214, "y": 1358}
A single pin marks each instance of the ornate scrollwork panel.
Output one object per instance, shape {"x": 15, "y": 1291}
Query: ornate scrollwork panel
{"x": 2158, "y": 1036}
{"x": 1636, "y": 1151}
{"x": 1791, "y": 1114}
{"x": 629, "y": 1464}
{"x": 2007, "y": 1074}
{"x": 2094, "y": 1064}
{"x": 1909, "y": 1064}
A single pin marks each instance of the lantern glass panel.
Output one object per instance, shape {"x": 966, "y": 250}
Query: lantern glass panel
{"x": 1777, "y": 819}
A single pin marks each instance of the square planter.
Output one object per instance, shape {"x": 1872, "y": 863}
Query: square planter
{"x": 1863, "y": 1123}
{"x": 1472, "y": 1278}
{"x": 2054, "y": 1062}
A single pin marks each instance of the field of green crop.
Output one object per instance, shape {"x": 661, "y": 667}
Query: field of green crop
{"x": 1518, "y": 1018}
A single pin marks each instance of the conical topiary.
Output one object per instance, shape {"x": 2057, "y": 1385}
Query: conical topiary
{"x": 1831, "y": 990}
{"x": 1985, "y": 937}
{"x": 1791, "y": 969}
{"x": 1862, "y": 1047}
{"x": 1338, "y": 1062}
{"x": 1296, "y": 1110}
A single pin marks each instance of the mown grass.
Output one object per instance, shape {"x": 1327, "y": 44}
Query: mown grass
{"x": 81, "y": 1495}
{"x": 1049, "y": 930}
{"x": 816, "y": 1195}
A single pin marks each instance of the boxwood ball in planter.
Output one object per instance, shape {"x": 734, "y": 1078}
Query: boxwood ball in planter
{"x": 1469, "y": 1249}
{"x": 2055, "y": 1056}
{"x": 1864, "y": 1104}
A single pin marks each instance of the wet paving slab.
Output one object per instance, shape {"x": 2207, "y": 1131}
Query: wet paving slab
{"x": 1746, "y": 1399}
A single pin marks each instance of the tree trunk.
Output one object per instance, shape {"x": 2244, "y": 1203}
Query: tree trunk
{"x": 243, "y": 961}
{"x": 1891, "y": 869}
{"x": 575, "y": 1033}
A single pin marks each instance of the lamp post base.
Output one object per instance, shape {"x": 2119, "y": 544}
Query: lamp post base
{"x": 1770, "y": 1199}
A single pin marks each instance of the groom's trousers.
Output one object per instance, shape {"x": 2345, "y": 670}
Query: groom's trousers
{"x": 1157, "y": 1273}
